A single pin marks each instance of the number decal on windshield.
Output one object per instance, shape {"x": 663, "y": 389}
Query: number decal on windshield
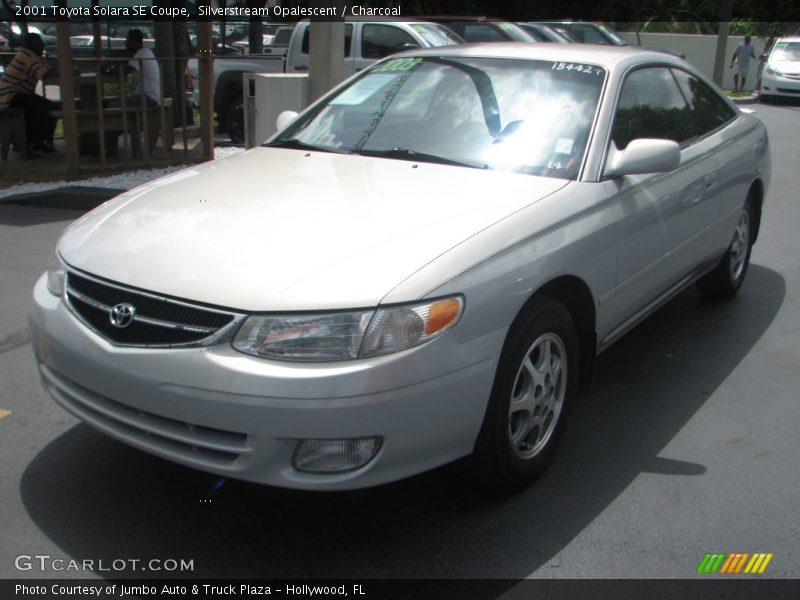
{"x": 581, "y": 68}
{"x": 398, "y": 64}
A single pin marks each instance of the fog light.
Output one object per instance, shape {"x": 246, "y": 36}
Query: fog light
{"x": 334, "y": 456}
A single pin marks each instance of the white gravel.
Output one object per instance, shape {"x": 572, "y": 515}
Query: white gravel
{"x": 122, "y": 181}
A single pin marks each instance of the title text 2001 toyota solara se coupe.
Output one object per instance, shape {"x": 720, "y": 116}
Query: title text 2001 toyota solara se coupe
{"x": 421, "y": 267}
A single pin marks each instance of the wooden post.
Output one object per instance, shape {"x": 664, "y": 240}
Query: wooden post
{"x": 205, "y": 54}
{"x": 326, "y": 57}
{"x": 69, "y": 118}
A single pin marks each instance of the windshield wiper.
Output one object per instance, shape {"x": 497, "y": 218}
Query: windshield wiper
{"x": 295, "y": 144}
{"x": 413, "y": 155}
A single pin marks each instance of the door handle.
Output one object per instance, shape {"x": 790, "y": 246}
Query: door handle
{"x": 710, "y": 179}
{"x": 301, "y": 68}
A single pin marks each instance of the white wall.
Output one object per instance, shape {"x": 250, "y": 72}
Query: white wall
{"x": 700, "y": 50}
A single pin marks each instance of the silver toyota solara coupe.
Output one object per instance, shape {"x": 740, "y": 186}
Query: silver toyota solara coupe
{"x": 421, "y": 267}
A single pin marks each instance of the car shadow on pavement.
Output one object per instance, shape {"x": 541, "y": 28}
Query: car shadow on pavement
{"x": 14, "y": 215}
{"x": 99, "y": 499}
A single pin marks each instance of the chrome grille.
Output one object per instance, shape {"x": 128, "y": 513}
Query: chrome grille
{"x": 156, "y": 321}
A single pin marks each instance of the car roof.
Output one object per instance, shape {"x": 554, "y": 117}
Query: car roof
{"x": 610, "y": 57}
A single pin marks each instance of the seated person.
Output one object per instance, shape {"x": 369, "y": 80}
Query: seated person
{"x": 144, "y": 67}
{"x": 17, "y": 90}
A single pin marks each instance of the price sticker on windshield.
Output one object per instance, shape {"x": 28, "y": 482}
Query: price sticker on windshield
{"x": 398, "y": 64}
{"x": 579, "y": 67}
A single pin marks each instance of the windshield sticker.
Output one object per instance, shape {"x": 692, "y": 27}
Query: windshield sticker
{"x": 581, "y": 68}
{"x": 418, "y": 28}
{"x": 505, "y": 26}
{"x": 563, "y": 146}
{"x": 397, "y": 64}
{"x": 363, "y": 89}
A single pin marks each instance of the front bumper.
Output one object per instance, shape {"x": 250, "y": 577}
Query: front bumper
{"x": 218, "y": 410}
{"x": 780, "y": 85}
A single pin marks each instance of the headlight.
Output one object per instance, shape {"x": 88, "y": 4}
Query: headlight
{"x": 772, "y": 71}
{"x": 335, "y": 336}
{"x": 347, "y": 335}
{"x": 56, "y": 273}
{"x": 399, "y": 327}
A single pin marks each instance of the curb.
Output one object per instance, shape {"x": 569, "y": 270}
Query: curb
{"x": 751, "y": 99}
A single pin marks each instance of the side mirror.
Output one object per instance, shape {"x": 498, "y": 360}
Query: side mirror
{"x": 643, "y": 156}
{"x": 284, "y": 119}
{"x": 407, "y": 46}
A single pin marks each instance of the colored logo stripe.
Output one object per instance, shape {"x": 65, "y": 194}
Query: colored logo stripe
{"x": 734, "y": 563}
{"x": 758, "y": 563}
{"x": 711, "y": 563}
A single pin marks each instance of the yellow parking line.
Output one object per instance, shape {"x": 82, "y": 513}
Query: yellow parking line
{"x": 4, "y": 413}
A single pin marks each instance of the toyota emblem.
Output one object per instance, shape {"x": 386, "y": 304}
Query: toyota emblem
{"x": 122, "y": 315}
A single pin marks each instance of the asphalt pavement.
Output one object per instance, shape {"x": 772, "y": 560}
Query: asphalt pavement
{"x": 688, "y": 445}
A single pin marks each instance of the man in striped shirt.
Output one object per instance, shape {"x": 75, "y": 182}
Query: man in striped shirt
{"x": 17, "y": 90}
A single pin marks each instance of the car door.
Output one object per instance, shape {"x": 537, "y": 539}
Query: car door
{"x": 299, "y": 59}
{"x": 655, "y": 209}
{"x": 707, "y": 224}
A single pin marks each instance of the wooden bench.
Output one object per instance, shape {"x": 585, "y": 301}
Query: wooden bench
{"x": 12, "y": 126}
{"x": 130, "y": 120}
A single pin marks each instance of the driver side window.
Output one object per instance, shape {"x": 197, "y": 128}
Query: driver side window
{"x": 651, "y": 106}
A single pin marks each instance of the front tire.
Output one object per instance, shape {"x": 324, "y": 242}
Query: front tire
{"x": 534, "y": 387}
{"x": 727, "y": 277}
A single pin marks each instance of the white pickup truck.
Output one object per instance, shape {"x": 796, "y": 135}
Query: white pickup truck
{"x": 366, "y": 41}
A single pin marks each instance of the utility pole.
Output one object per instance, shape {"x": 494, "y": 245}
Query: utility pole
{"x": 326, "y": 57}
{"x": 725, "y": 11}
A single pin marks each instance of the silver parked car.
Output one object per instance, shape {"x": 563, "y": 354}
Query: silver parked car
{"x": 447, "y": 241}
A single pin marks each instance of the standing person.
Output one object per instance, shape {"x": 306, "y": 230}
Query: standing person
{"x": 146, "y": 74}
{"x": 741, "y": 55}
{"x": 17, "y": 90}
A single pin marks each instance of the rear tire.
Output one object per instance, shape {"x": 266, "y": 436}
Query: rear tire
{"x": 727, "y": 277}
{"x": 534, "y": 387}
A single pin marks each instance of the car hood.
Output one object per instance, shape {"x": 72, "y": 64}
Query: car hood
{"x": 786, "y": 66}
{"x": 276, "y": 229}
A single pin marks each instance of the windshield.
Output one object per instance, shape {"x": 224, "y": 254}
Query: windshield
{"x": 515, "y": 32}
{"x": 436, "y": 35}
{"x": 506, "y": 114}
{"x": 787, "y": 51}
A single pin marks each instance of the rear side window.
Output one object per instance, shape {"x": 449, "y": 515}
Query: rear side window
{"x": 348, "y": 39}
{"x": 382, "y": 40}
{"x": 651, "y": 105}
{"x": 480, "y": 32}
{"x": 707, "y": 111}
{"x": 587, "y": 35}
